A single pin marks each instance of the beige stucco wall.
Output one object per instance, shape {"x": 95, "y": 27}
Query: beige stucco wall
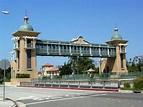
{"x": 23, "y": 63}
{"x": 33, "y": 60}
{"x": 17, "y": 81}
{"x": 114, "y": 63}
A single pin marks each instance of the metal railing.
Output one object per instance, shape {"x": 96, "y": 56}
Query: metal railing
{"x": 92, "y": 84}
{"x": 106, "y": 80}
{"x": 71, "y": 84}
{"x": 94, "y": 76}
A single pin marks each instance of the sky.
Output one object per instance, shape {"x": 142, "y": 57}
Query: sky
{"x": 64, "y": 20}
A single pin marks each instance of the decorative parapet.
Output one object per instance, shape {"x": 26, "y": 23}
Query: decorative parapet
{"x": 16, "y": 44}
{"x": 122, "y": 48}
{"x": 29, "y": 37}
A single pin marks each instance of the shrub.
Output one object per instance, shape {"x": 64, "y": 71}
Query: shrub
{"x": 138, "y": 83}
{"x": 127, "y": 85}
{"x": 1, "y": 81}
{"x": 18, "y": 75}
{"x": 91, "y": 75}
{"x": 57, "y": 76}
{"x": 46, "y": 77}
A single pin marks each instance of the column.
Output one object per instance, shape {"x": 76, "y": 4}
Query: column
{"x": 25, "y": 42}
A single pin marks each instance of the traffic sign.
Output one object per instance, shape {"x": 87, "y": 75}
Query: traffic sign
{"x": 4, "y": 64}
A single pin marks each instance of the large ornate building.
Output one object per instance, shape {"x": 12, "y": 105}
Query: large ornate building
{"x": 25, "y": 48}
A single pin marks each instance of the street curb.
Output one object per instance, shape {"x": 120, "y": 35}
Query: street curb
{"x": 91, "y": 89}
{"x": 20, "y": 104}
{"x": 12, "y": 101}
{"x": 125, "y": 91}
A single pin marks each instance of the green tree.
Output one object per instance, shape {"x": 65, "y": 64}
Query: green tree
{"x": 138, "y": 83}
{"x": 77, "y": 65}
{"x": 1, "y": 76}
{"x": 7, "y": 74}
{"x": 84, "y": 63}
{"x": 134, "y": 64}
{"x": 65, "y": 69}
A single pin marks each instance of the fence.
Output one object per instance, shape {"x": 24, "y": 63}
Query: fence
{"x": 110, "y": 84}
{"x": 106, "y": 80}
{"x": 94, "y": 76}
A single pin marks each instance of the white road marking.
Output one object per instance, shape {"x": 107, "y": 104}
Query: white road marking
{"x": 47, "y": 98}
{"x": 36, "y": 98}
{"x": 23, "y": 98}
{"x": 40, "y": 99}
{"x": 56, "y": 97}
{"x": 98, "y": 95}
{"x": 33, "y": 103}
{"x": 67, "y": 95}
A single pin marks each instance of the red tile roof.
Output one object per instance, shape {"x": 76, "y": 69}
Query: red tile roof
{"x": 47, "y": 65}
{"x": 52, "y": 69}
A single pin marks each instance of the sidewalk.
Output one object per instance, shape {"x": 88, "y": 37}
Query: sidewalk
{"x": 6, "y": 103}
{"x": 10, "y": 103}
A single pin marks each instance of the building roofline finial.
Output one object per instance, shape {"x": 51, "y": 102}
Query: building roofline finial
{"x": 115, "y": 25}
{"x": 26, "y": 17}
{"x": 116, "y": 29}
{"x": 25, "y": 12}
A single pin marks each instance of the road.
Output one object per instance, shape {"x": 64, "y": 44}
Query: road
{"x": 90, "y": 100}
{"x": 44, "y": 97}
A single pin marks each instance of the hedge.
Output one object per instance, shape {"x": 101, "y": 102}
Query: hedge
{"x": 138, "y": 83}
{"x": 127, "y": 86}
{"x": 18, "y": 75}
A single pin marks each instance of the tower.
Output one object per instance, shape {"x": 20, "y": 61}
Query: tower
{"x": 25, "y": 50}
{"x": 118, "y": 63}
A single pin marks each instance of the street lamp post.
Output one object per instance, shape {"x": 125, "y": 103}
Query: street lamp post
{"x": 4, "y": 63}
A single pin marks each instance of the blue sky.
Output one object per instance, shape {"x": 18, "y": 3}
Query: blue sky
{"x": 67, "y": 19}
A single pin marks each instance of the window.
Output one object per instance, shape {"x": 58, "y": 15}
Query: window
{"x": 29, "y": 43}
{"x": 28, "y": 58}
{"x": 123, "y": 49}
{"x": 18, "y": 56}
{"x": 122, "y": 63}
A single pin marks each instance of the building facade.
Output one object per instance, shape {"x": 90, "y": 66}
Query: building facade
{"x": 26, "y": 49}
{"x": 49, "y": 71}
{"x": 118, "y": 63}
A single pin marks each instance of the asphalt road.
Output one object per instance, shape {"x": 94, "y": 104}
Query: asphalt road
{"x": 45, "y": 97}
{"x": 89, "y": 100}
